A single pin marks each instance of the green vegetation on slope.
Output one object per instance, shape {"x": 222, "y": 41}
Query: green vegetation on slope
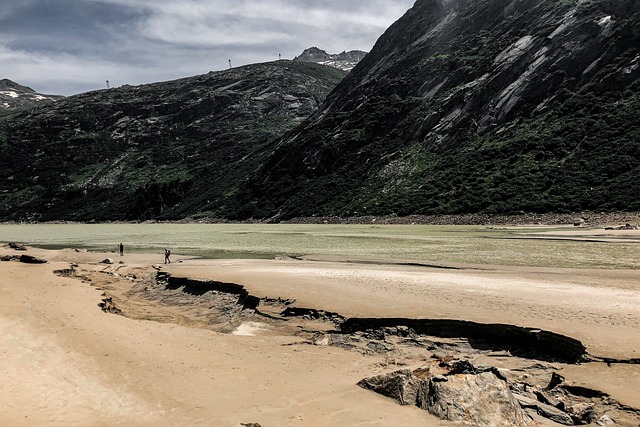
{"x": 472, "y": 107}
{"x": 166, "y": 150}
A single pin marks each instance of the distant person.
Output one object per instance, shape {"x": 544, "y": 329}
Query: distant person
{"x": 121, "y": 249}
{"x": 167, "y": 256}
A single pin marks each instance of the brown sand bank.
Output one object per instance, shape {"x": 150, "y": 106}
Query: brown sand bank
{"x": 66, "y": 362}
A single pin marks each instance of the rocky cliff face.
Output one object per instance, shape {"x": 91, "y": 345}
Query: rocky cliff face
{"x": 345, "y": 61}
{"x": 472, "y": 106}
{"x": 15, "y": 97}
{"x": 164, "y": 150}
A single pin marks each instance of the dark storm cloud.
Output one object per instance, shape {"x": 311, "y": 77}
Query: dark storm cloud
{"x": 69, "y": 46}
{"x": 70, "y": 26}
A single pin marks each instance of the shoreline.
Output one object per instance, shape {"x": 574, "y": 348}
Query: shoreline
{"x": 583, "y": 219}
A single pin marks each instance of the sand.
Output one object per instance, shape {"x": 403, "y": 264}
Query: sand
{"x": 65, "y": 362}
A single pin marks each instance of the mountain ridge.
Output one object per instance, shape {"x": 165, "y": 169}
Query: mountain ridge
{"x": 16, "y": 97}
{"x": 345, "y": 61}
{"x": 495, "y": 106}
{"x": 162, "y": 150}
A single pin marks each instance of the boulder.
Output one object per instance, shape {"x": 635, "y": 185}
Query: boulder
{"x": 402, "y": 386}
{"x": 604, "y": 421}
{"x": 481, "y": 400}
{"x": 17, "y": 247}
{"x": 458, "y": 392}
{"x": 29, "y": 259}
{"x": 106, "y": 261}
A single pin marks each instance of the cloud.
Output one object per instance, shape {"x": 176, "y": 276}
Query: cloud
{"x": 70, "y": 46}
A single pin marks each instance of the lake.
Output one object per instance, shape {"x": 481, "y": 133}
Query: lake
{"x": 420, "y": 243}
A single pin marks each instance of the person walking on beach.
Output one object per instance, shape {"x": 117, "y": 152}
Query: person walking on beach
{"x": 121, "y": 249}
{"x": 167, "y": 254}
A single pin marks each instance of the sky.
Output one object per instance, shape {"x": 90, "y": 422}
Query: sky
{"x": 65, "y": 47}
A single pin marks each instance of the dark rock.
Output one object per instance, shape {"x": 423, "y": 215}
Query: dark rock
{"x": 547, "y": 399}
{"x": 106, "y": 261}
{"x": 378, "y": 347}
{"x": 402, "y": 386}
{"x": 108, "y": 306}
{"x": 528, "y": 342}
{"x": 556, "y": 380}
{"x": 582, "y": 391}
{"x": 375, "y": 334}
{"x": 29, "y": 259}
{"x": 17, "y": 247}
{"x": 547, "y": 411}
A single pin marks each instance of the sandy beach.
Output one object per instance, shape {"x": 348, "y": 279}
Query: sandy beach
{"x": 164, "y": 360}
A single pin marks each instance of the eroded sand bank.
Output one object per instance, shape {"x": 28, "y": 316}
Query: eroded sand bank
{"x": 66, "y": 362}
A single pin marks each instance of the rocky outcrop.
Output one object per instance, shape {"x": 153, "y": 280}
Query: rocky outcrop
{"x": 198, "y": 287}
{"x": 528, "y": 342}
{"x": 459, "y": 392}
{"x": 402, "y": 386}
{"x": 456, "y": 390}
{"x": 30, "y": 259}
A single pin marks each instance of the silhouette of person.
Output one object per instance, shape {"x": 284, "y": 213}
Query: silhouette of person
{"x": 121, "y": 249}
{"x": 167, "y": 254}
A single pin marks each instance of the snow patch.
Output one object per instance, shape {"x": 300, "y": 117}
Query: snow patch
{"x": 10, "y": 93}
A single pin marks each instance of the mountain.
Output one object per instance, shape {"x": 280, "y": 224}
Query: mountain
{"x": 15, "y": 97}
{"x": 344, "y": 61}
{"x": 494, "y": 106}
{"x": 163, "y": 150}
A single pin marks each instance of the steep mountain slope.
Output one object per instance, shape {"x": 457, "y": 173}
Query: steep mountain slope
{"x": 160, "y": 150}
{"x": 344, "y": 61}
{"x": 15, "y": 97}
{"x": 472, "y": 106}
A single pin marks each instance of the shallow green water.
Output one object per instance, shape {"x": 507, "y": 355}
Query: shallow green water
{"x": 466, "y": 244}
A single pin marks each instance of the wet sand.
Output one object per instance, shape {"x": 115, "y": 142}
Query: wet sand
{"x": 66, "y": 362}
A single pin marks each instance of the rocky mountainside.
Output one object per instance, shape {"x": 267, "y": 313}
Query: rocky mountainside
{"x": 344, "y": 61}
{"x": 164, "y": 150}
{"x": 493, "y": 106}
{"x": 15, "y": 97}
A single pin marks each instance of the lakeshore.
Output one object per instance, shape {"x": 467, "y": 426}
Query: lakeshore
{"x": 172, "y": 356}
